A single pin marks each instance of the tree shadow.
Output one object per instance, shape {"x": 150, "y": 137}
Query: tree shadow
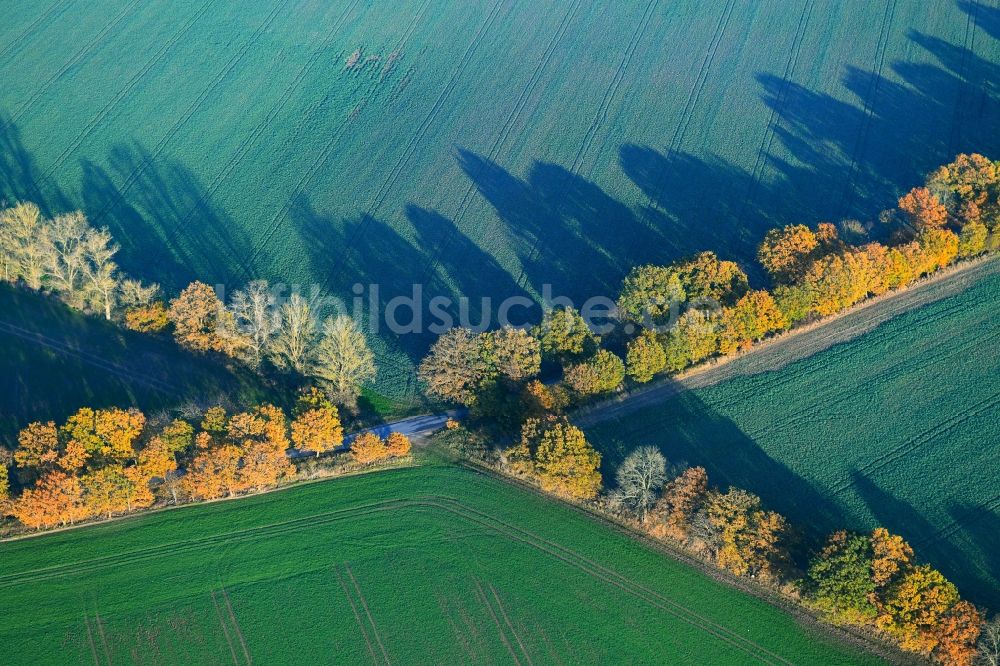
{"x": 566, "y": 230}
{"x": 20, "y": 177}
{"x": 938, "y": 545}
{"x": 697, "y": 435}
{"x": 55, "y": 361}
{"x": 166, "y": 213}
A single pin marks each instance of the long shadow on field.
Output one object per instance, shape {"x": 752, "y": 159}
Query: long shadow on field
{"x": 852, "y": 158}
{"x": 439, "y": 261}
{"x": 941, "y": 550}
{"x": 987, "y": 18}
{"x": 565, "y": 229}
{"x": 55, "y": 361}
{"x": 20, "y": 177}
{"x": 164, "y": 212}
{"x": 697, "y": 435}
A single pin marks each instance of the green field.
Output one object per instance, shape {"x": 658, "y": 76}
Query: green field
{"x": 417, "y": 566}
{"x": 897, "y": 428}
{"x": 55, "y": 361}
{"x": 483, "y": 147}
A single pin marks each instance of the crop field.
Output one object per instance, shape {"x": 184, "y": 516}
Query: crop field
{"x": 55, "y": 361}
{"x": 482, "y": 148}
{"x": 898, "y": 427}
{"x": 420, "y": 565}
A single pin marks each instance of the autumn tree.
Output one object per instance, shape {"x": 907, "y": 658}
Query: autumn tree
{"x": 891, "y": 556}
{"x": 368, "y": 448}
{"x": 752, "y": 318}
{"x": 645, "y": 357}
{"x": 100, "y": 272}
{"x": 564, "y": 335}
{"x": 750, "y": 537}
{"x": 972, "y": 239}
{"x": 398, "y": 445}
{"x": 65, "y": 256}
{"x": 640, "y": 477}
{"x": 106, "y": 434}
{"x": 558, "y": 455}
{"x": 913, "y": 607}
{"x": 213, "y": 473}
{"x": 652, "y": 295}
{"x": 316, "y": 426}
{"x": 262, "y": 437}
{"x": 705, "y": 277}
{"x": 343, "y": 360}
{"x": 787, "y": 252}
{"x": 107, "y": 491}
{"x": 693, "y": 339}
{"x": 601, "y": 373}
{"x": 37, "y": 447}
{"x": 515, "y": 354}
{"x": 202, "y": 323}
{"x": 923, "y": 209}
{"x": 681, "y": 499}
{"x": 456, "y": 367}
{"x": 956, "y": 635}
{"x": 56, "y": 499}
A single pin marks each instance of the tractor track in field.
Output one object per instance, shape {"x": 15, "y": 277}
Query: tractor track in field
{"x": 601, "y": 116}
{"x": 275, "y": 222}
{"x": 34, "y": 26}
{"x": 101, "y": 115}
{"x": 520, "y": 105}
{"x": 968, "y": 47}
{"x": 929, "y": 352}
{"x": 608, "y": 576}
{"x": 368, "y": 613}
{"x": 120, "y": 371}
{"x": 881, "y": 47}
{"x": 955, "y": 525}
{"x": 225, "y": 628}
{"x": 481, "y": 595}
{"x": 430, "y": 502}
{"x": 760, "y": 164}
{"x": 386, "y": 187}
{"x": 76, "y": 58}
{"x": 244, "y": 147}
{"x": 357, "y": 615}
{"x": 612, "y": 90}
{"x": 189, "y": 113}
{"x": 236, "y": 626}
{"x": 880, "y": 462}
{"x": 90, "y": 640}
{"x": 794, "y": 345}
{"x": 694, "y": 96}
{"x": 510, "y": 625}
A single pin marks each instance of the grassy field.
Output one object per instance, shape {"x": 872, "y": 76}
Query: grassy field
{"x": 420, "y": 565}
{"x": 484, "y": 147}
{"x": 55, "y": 361}
{"x": 898, "y": 428}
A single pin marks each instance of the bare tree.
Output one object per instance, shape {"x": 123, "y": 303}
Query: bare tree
{"x": 640, "y": 477}
{"x": 66, "y": 255}
{"x": 295, "y": 343}
{"x": 24, "y": 238}
{"x": 100, "y": 271}
{"x": 253, "y": 308}
{"x": 989, "y": 644}
{"x": 344, "y": 362}
{"x": 135, "y": 294}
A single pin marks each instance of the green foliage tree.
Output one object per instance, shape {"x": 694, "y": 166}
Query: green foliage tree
{"x": 651, "y": 295}
{"x": 839, "y": 580}
{"x": 645, "y": 357}
{"x": 564, "y": 335}
{"x": 601, "y": 373}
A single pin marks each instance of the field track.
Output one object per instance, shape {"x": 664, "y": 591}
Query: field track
{"x": 796, "y": 345}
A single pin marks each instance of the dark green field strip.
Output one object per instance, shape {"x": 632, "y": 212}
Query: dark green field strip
{"x": 380, "y": 547}
{"x": 897, "y": 428}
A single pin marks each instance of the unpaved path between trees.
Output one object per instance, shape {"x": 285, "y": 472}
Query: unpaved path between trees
{"x": 795, "y": 345}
